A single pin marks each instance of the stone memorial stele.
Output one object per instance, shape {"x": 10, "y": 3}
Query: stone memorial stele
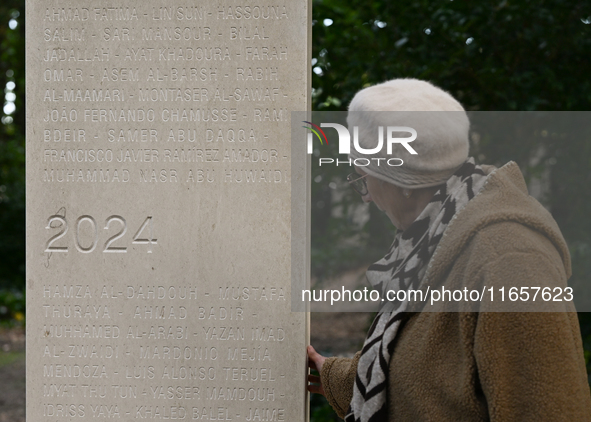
{"x": 159, "y": 191}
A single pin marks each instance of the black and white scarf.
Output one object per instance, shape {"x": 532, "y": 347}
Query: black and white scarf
{"x": 403, "y": 268}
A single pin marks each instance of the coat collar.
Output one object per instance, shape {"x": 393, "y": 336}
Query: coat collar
{"x": 504, "y": 198}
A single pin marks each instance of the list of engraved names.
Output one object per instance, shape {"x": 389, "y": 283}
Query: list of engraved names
{"x": 152, "y": 103}
{"x": 168, "y": 85}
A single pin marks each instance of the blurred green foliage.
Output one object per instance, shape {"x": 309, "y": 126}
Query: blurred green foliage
{"x": 491, "y": 55}
{"x": 12, "y": 152}
{"x": 12, "y": 307}
{"x": 12, "y": 165}
{"x": 7, "y": 358}
{"x": 320, "y": 410}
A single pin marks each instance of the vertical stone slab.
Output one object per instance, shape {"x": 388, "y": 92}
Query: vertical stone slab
{"x": 158, "y": 210}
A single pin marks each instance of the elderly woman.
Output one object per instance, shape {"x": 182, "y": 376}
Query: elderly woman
{"x": 458, "y": 224}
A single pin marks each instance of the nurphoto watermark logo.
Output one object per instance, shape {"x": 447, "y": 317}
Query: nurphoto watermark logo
{"x": 345, "y": 144}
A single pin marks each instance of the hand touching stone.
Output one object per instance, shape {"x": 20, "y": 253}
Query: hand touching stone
{"x": 315, "y": 361}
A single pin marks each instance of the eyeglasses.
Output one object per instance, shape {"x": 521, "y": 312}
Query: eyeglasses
{"x": 358, "y": 183}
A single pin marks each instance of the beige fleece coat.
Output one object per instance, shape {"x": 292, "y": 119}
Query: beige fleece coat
{"x": 487, "y": 366}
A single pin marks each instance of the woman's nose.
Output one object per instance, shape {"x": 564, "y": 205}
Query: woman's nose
{"x": 367, "y": 198}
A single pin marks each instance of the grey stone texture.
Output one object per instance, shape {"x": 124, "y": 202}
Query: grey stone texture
{"x": 159, "y": 210}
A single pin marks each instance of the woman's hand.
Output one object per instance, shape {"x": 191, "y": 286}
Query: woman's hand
{"x": 315, "y": 361}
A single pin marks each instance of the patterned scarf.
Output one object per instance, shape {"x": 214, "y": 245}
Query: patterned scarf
{"x": 403, "y": 268}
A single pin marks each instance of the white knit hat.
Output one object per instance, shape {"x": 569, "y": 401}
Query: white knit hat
{"x": 440, "y": 121}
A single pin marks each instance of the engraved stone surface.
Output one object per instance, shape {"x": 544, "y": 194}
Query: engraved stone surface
{"x": 159, "y": 210}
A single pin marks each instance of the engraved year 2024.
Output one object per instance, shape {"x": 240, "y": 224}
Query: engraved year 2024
{"x": 86, "y": 239}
